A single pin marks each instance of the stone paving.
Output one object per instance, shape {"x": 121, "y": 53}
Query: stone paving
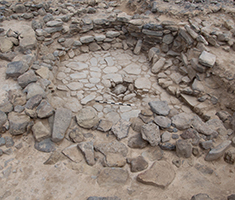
{"x": 94, "y": 76}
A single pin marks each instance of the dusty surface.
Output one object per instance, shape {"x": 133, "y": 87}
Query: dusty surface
{"x": 25, "y": 177}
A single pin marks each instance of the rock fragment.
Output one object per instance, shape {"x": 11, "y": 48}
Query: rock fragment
{"x": 121, "y": 129}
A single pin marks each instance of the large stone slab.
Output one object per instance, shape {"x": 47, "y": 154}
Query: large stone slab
{"x": 40, "y": 132}
{"x": 27, "y": 78}
{"x": 46, "y": 146}
{"x": 161, "y": 174}
{"x": 207, "y": 59}
{"x": 73, "y": 153}
{"x": 62, "y": 121}
{"x": 28, "y": 39}
{"x": 88, "y": 151}
{"x": 87, "y": 117}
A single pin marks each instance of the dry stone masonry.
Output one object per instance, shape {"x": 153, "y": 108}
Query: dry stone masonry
{"x": 68, "y": 58}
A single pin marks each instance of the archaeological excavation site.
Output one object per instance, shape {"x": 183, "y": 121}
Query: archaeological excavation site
{"x": 117, "y": 100}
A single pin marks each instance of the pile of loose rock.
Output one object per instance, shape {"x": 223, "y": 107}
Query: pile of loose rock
{"x": 57, "y": 88}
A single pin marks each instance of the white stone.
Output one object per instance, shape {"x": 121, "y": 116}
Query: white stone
{"x": 61, "y": 76}
{"x": 133, "y": 69}
{"x": 109, "y": 61}
{"x": 77, "y": 76}
{"x": 117, "y": 78}
{"x": 95, "y": 74}
{"x": 207, "y": 59}
{"x": 73, "y": 104}
{"x": 88, "y": 98}
{"x": 78, "y": 66}
{"x": 75, "y": 86}
{"x": 127, "y": 115}
{"x": 143, "y": 83}
{"x": 94, "y": 80}
{"x": 108, "y": 70}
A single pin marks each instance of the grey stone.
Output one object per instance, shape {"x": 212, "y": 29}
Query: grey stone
{"x": 189, "y": 133}
{"x": 19, "y": 108}
{"x": 167, "y": 146}
{"x": 19, "y": 8}
{"x": 44, "y": 109}
{"x": 150, "y": 132}
{"x": 218, "y": 151}
{"x": 136, "y": 124}
{"x": 137, "y": 164}
{"x": 112, "y": 177}
{"x": 137, "y": 142}
{"x": 202, "y": 127}
{"x": 207, "y": 59}
{"x": 166, "y": 136}
{"x": 105, "y": 125}
{"x": 73, "y": 153}
{"x": 168, "y": 39}
{"x": 54, "y": 158}
{"x": 88, "y": 151}
{"x": 33, "y": 89}
{"x": 186, "y": 37}
{"x": 16, "y": 68}
{"x": 153, "y": 54}
{"x": 9, "y": 141}
{"x": 157, "y": 67}
{"x": 48, "y": 17}
{"x": 183, "y": 148}
{"x": 2, "y": 141}
{"x": 51, "y": 30}
{"x": 160, "y": 174}
{"x": 121, "y": 129}
{"x": 18, "y": 123}
{"x": 87, "y": 117}
{"x": 54, "y": 23}
{"x": 176, "y": 162}
{"x": 138, "y": 47}
{"x": 9, "y": 56}
{"x": 201, "y": 196}
{"x": 114, "y": 160}
{"x": 112, "y": 34}
{"x": 163, "y": 122}
{"x": 26, "y": 78}
{"x": 62, "y": 121}
{"x": 159, "y": 107}
{"x": 113, "y": 147}
{"x": 40, "y": 132}
{"x": 196, "y": 66}
{"x": 86, "y": 39}
{"x": 46, "y": 146}
{"x": 33, "y": 101}
{"x": 28, "y": 39}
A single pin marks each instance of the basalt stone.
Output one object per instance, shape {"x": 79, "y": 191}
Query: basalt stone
{"x": 88, "y": 151}
{"x": 40, "y": 132}
{"x": 33, "y": 101}
{"x": 44, "y": 109}
{"x": 105, "y": 125}
{"x": 231, "y": 197}
{"x": 183, "y": 148}
{"x": 137, "y": 164}
{"x": 26, "y": 78}
{"x": 76, "y": 135}
{"x": 167, "y": 146}
{"x": 103, "y": 198}
{"x": 163, "y": 122}
{"x": 229, "y": 156}
{"x": 33, "y": 89}
{"x": 136, "y": 141}
{"x": 62, "y": 121}
{"x": 207, "y": 59}
{"x": 9, "y": 141}
{"x": 16, "y": 68}
{"x": 3, "y": 119}
{"x": 18, "y": 123}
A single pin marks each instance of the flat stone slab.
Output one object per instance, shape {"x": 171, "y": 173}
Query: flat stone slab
{"x": 160, "y": 174}
{"x": 40, "y": 132}
{"x": 112, "y": 177}
{"x": 16, "y": 68}
{"x": 159, "y": 107}
{"x": 88, "y": 151}
{"x": 62, "y": 121}
{"x": 73, "y": 153}
{"x": 46, "y": 146}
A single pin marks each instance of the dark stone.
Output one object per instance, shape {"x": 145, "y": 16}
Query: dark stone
{"x": 231, "y": 197}
{"x": 26, "y": 78}
{"x": 9, "y": 56}
{"x": 33, "y": 101}
{"x": 17, "y": 68}
{"x": 206, "y": 144}
{"x": 103, "y": 198}
{"x": 175, "y": 136}
{"x": 44, "y": 109}
{"x": 189, "y": 134}
{"x": 168, "y": 146}
{"x": 136, "y": 124}
{"x": 88, "y": 152}
{"x": 46, "y": 146}
{"x": 76, "y": 135}
{"x": 2, "y": 141}
{"x": 229, "y": 156}
{"x": 159, "y": 107}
